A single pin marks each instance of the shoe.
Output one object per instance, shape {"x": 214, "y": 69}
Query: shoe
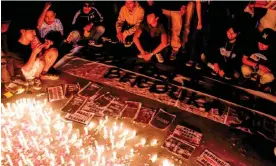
{"x": 173, "y": 55}
{"x": 37, "y": 85}
{"x": 159, "y": 58}
{"x": 49, "y": 76}
{"x": 198, "y": 66}
{"x": 140, "y": 56}
{"x": 128, "y": 44}
{"x": 227, "y": 77}
{"x": 189, "y": 63}
{"x": 14, "y": 88}
{"x": 213, "y": 73}
{"x": 106, "y": 39}
{"x": 20, "y": 82}
{"x": 94, "y": 44}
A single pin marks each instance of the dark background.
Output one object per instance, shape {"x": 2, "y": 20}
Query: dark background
{"x": 22, "y": 11}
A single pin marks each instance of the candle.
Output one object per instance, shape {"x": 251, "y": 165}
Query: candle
{"x": 131, "y": 152}
{"x": 9, "y": 159}
{"x": 85, "y": 131}
{"x": 114, "y": 156}
{"x": 153, "y": 142}
{"x": 153, "y": 158}
{"x": 143, "y": 141}
{"x": 167, "y": 163}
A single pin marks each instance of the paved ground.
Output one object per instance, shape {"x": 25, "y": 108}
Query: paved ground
{"x": 233, "y": 146}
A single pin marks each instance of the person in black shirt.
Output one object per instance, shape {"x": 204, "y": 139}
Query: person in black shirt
{"x": 225, "y": 54}
{"x": 151, "y": 36}
{"x": 260, "y": 58}
{"x": 33, "y": 64}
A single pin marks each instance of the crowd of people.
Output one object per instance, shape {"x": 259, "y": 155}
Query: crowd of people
{"x": 234, "y": 44}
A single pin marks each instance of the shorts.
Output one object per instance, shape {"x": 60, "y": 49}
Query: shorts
{"x": 29, "y": 75}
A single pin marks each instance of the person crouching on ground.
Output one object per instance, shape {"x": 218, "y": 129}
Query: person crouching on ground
{"x": 88, "y": 23}
{"x": 34, "y": 66}
{"x": 130, "y": 17}
{"x": 151, "y": 36}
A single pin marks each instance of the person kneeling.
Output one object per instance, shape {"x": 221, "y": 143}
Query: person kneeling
{"x": 151, "y": 36}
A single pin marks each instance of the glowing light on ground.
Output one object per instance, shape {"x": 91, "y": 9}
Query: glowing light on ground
{"x": 34, "y": 134}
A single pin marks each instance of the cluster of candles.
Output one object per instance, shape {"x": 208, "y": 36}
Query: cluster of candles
{"x": 34, "y": 134}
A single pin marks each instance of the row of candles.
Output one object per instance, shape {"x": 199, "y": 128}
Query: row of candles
{"x": 34, "y": 134}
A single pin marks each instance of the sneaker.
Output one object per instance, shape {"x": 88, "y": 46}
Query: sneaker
{"x": 189, "y": 63}
{"x": 94, "y": 44}
{"x": 140, "y": 56}
{"x": 37, "y": 85}
{"x": 213, "y": 73}
{"x": 106, "y": 39}
{"x": 159, "y": 57}
{"x": 20, "y": 82}
{"x": 198, "y": 66}
{"x": 128, "y": 44}
{"x": 227, "y": 77}
{"x": 173, "y": 55}
{"x": 49, "y": 76}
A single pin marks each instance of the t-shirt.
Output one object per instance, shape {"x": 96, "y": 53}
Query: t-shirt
{"x": 22, "y": 51}
{"x": 55, "y": 26}
{"x": 224, "y": 51}
{"x": 153, "y": 31}
{"x": 266, "y": 58}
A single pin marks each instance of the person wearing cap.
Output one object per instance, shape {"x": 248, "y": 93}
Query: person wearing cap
{"x": 129, "y": 19}
{"x": 226, "y": 53}
{"x": 260, "y": 58}
{"x": 88, "y": 23}
{"x": 48, "y": 22}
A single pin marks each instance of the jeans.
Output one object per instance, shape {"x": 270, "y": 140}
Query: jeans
{"x": 95, "y": 33}
{"x": 176, "y": 19}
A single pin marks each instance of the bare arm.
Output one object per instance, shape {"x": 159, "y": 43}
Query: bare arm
{"x": 198, "y": 12}
{"x": 120, "y": 21}
{"x": 162, "y": 45}
{"x": 136, "y": 26}
{"x": 28, "y": 66}
{"x": 42, "y": 16}
{"x": 248, "y": 62}
{"x": 137, "y": 41}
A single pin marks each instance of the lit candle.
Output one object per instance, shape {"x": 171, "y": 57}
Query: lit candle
{"x": 62, "y": 160}
{"x": 153, "y": 142}
{"x": 85, "y": 131}
{"x": 91, "y": 125}
{"x": 167, "y": 163}
{"x": 131, "y": 152}
{"x": 114, "y": 156}
{"x": 153, "y": 158}
{"x": 143, "y": 141}
{"x": 9, "y": 159}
